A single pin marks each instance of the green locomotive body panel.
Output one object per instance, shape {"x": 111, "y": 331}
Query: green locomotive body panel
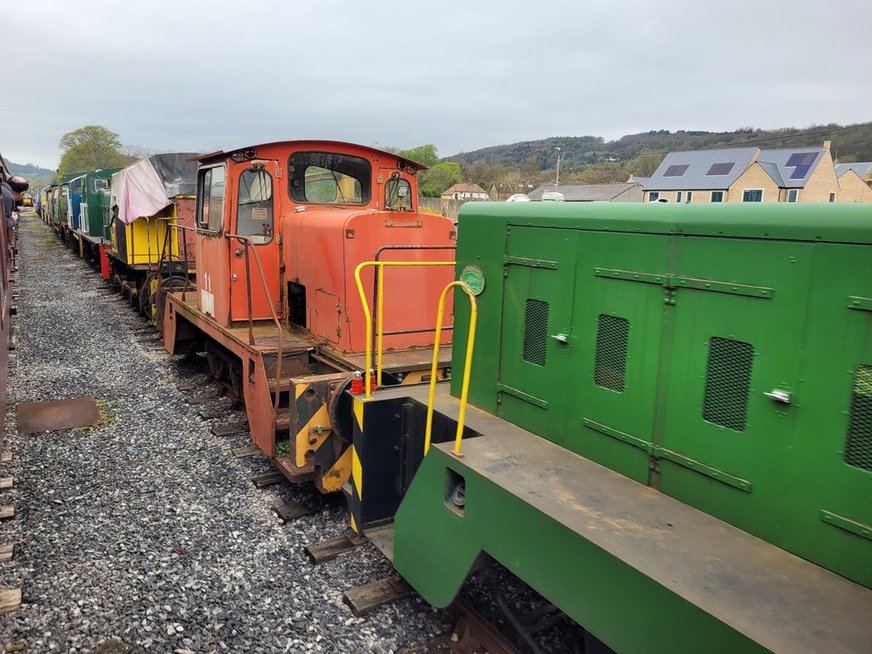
{"x": 720, "y": 354}
{"x": 95, "y": 204}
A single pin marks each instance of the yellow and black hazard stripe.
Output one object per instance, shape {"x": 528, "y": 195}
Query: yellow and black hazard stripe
{"x": 315, "y": 438}
{"x": 423, "y": 376}
{"x": 354, "y": 489}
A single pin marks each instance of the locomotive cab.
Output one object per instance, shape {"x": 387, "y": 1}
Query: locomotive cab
{"x": 282, "y": 227}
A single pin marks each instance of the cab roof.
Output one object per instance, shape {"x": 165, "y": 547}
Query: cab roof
{"x": 224, "y": 154}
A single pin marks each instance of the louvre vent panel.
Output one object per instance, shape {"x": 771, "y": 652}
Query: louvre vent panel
{"x": 535, "y": 331}
{"x": 728, "y": 383}
{"x": 858, "y": 447}
{"x": 612, "y": 336}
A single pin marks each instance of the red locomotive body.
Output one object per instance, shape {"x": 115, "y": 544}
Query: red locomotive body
{"x": 281, "y": 229}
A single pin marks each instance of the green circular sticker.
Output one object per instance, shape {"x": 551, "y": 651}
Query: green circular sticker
{"x": 473, "y": 277}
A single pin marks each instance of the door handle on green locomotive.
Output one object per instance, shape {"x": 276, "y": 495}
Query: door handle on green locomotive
{"x": 561, "y": 338}
{"x": 778, "y": 395}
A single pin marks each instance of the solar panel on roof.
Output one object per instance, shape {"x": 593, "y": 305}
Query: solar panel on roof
{"x": 720, "y": 169}
{"x": 800, "y": 171}
{"x": 801, "y": 159}
{"x": 676, "y": 171}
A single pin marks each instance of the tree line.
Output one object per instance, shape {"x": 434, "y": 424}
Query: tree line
{"x": 519, "y": 167}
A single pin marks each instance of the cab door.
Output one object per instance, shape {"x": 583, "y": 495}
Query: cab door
{"x": 212, "y": 249}
{"x": 254, "y": 259}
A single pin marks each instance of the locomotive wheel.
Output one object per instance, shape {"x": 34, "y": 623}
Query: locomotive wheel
{"x": 217, "y": 366}
{"x": 167, "y": 285}
{"x": 144, "y": 297}
{"x": 227, "y": 371}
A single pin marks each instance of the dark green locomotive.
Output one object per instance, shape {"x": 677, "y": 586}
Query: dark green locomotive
{"x": 671, "y": 431}
{"x": 91, "y": 216}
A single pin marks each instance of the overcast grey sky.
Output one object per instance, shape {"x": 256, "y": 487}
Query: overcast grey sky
{"x": 203, "y": 75}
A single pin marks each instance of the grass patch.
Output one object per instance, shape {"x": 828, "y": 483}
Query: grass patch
{"x": 106, "y": 413}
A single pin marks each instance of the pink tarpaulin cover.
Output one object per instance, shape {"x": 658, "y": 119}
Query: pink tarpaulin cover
{"x": 148, "y": 186}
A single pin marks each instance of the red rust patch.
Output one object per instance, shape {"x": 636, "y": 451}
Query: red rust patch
{"x": 34, "y": 417}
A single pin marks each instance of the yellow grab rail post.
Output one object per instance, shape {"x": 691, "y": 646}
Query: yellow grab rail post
{"x": 380, "y": 314}
{"x": 380, "y": 325}
{"x": 467, "y": 367}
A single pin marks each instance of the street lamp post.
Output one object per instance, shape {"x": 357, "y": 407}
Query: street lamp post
{"x": 557, "y": 178}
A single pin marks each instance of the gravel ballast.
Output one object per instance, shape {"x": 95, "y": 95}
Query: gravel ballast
{"x": 146, "y": 534}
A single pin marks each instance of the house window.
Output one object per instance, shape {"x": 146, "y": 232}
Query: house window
{"x": 678, "y": 196}
{"x": 676, "y": 171}
{"x": 832, "y": 197}
{"x": 653, "y": 196}
{"x": 752, "y": 195}
{"x": 717, "y": 196}
{"x": 791, "y": 195}
{"x": 689, "y": 196}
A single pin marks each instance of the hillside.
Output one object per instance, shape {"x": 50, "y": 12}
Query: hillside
{"x": 29, "y": 170}
{"x": 38, "y": 177}
{"x": 849, "y": 143}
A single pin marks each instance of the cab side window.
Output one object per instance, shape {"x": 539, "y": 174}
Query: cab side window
{"x": 398, "y": 194}
{"x": 254, "y": 212}
{"x": 210, "y": 199}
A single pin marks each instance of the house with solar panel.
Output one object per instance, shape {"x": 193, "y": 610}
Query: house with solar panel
{"x": 748, "y": 175}
{"x": 855, "y": 180}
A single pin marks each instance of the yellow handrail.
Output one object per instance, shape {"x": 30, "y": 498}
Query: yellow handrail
{"x": 467, "y": 367}
{"x": 380, "y": 313}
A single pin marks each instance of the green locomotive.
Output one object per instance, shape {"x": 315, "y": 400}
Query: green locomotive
{"x": 670, "y": 435}
{"x": 91, "y": 212}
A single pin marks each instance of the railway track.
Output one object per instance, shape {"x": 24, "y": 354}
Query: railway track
{"x": 470, "y": 632}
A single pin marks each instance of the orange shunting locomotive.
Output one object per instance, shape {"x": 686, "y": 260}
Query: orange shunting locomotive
{"x": 296, "y": 246}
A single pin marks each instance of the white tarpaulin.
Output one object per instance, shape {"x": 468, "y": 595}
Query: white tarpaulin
{"x": 148, "y": 186}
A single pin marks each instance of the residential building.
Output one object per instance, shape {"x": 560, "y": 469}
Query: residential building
{"x": 855, "y": 181}
{"x": 751, "y": 175}
{"x": 862, "y": 168}
{"x": 465, "y": 191}
{"x": 504, "y": 191}
{"x": 625, "y": 192}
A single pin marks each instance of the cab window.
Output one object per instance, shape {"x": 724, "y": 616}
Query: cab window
{"x": 398, "y": 194}
{"x": 329, "y": 178}
{"x": 254, "y": 212}
{"x": 210, "y": 198}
